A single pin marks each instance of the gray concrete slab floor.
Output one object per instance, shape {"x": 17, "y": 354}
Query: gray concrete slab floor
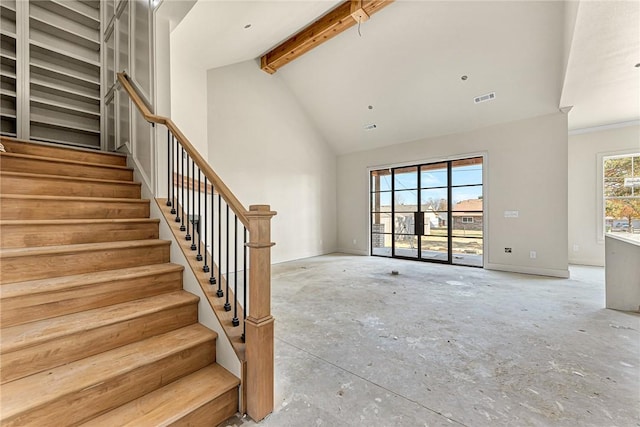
{"x": 441, "y": 345}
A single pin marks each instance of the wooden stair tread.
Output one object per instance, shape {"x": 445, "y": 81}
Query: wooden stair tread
{"x": 69, "y": 178}
{"x": 171, "y": 402}
{"x": 87, "y": 221}
{"x": 29, "y": 301}
{"x": 73, "y": 198}
{"x": 63, "y": 283}
{"x": 82, "y": 247}
{"x": 64, "y": 162}
{"x": 29, "y": 334}
{"x": 16, "y": 145}
{"x": 35, "y": 391}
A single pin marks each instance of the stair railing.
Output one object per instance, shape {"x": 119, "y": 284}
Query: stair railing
{"x": 210, "y": 216}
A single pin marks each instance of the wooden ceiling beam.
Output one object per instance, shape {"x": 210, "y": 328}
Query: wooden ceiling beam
{"x": 334, "y": 22}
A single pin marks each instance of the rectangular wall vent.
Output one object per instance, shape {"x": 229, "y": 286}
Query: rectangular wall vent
{"x": 483, "y": 98}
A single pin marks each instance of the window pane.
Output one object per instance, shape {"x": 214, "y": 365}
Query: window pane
{"x": 381, "y": 244}
{"x": 614, "y": 187}
{"x": 434, "y": 248}
{"x": 434, "y": 175}
{"x": 406, "y": 178}
{"x": 467, "y": 171}
{"x": 435, "y": 223}
{"x": 404, "y": 223}
{"x": 406, "y": 246}
{"x": 381, "y": 223}
{"x": 617, "y": 167}
{"x": 467, "y": 224}
{"x": 467, "y": 251}
{"x": 406, "y": 201}
{"x": 433, "y": 200}
{"x": 467, "y": 198}
{"x": 381, "y": 202}
{"x": 381, "y": 180}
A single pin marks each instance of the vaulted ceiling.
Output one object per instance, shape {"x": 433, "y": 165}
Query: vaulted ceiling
{"x": 404, "y": 71}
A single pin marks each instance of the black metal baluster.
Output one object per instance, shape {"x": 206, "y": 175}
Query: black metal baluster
{"x": 212, "y": 279}
{"x": 205, "y": 267}
{"x": 227, "y": 305}
{"x": 199, "y": 256}
{"x": 179, "y": 167}
{"x": 244, "y": 284}
{"x": 181, "y": 220}
{"x": 235, "y": 321}
{"x": 193, "y": 205}
{"x": 219, "y": 292}
{"x": 169, "y": 168}
{"x": 187, "y": 237}
{"x": 173, "y": 184}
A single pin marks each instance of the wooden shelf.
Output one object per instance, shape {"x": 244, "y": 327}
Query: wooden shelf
{"x": 7, "y": 92}
{"x": 69, "y": 55}
{"x": 63, "y": 142}
{"x": 9, "y": 6}
{"x": 8, "y": 56}
{"x": 64, "y": 91}
{"x": 65, "y": 108}
{"x": 41, "y": 120}
{"x": 9, "y": 34}
{"x": 67, "y": 9}
{"x": 64, "y": 33}
{"x": 8, "y": 75}
{"x": 52, "y": 72}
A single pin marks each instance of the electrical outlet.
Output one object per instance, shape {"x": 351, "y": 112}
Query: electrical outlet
{"x": 576, "y": 248}
{"x": 355, "y": 242}
{"x": 507, "y": 250}
{"x": 532, "y": 254}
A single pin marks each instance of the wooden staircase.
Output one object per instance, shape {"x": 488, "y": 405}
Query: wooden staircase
{"x": 95, "y": 326}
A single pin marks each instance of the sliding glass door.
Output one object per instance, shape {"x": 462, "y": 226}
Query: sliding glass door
{"x": 430, "y": 212}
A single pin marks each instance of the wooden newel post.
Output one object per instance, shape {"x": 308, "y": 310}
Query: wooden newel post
{"x": 259, "y": 323}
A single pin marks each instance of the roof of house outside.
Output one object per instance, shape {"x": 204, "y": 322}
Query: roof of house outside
{"x": 467, "y": 208}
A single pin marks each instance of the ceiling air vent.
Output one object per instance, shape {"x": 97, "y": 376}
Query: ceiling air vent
{"x": 484, "y": 98}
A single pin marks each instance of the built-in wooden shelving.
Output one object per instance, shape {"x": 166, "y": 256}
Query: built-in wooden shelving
{"x": 64, "y": 50}
{"x": 51, "y": 70}
{"x": 8, "y": 70}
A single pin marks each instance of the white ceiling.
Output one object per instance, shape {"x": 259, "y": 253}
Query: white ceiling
{"x": 603, "y": 84}
{"x": 410, "y": 58}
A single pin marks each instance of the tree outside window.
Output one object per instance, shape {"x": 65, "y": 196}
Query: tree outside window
{"x": 622, "y": 194}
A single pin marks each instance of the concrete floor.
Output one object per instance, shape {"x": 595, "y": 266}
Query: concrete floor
{"x": 442, "y": 345}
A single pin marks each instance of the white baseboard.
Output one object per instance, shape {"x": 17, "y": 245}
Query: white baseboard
{"x": 552, "y": 272}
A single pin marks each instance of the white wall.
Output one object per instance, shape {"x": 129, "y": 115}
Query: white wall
{"x": 525, "y": 170}
{"x": 188, "y": 92}
{"x": 586, "y": 241}
{"x": 267, "y": 151}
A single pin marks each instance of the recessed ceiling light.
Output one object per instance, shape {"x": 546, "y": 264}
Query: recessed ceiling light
{"x": 370, "y": 126}
{"x": 464, "y": 77}
{"x": 370, "y": 107}
{"x": 247, "y": 26}
{"x": 637, "y": 65}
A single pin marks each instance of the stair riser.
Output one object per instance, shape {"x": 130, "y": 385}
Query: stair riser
{"x": 10, "y": 184}
{"x": 77, "y": 406}
{"x": 17, "y": 269}
{"x": 66, "y": 349}
{"x": 45, "y": 305}
{"x": 63, "y": 153}
{"x": 213, "y": 413}
{"x": 23, "y": 236}
{"x": 71, "y": 209}
{"x": 28, "y": 165}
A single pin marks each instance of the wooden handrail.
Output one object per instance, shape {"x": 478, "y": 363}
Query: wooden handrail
{"x": 219, "y": 185}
